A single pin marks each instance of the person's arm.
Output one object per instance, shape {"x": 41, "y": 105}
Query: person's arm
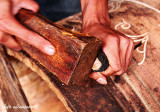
{"x": 117, "y": 47}
{"x": 10, "y": 26}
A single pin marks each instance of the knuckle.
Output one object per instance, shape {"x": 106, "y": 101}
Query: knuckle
{"x": 120, "y": 72}
{"x": 29, "y": 39}
{"x": 3, "y": 39}
{"x": 126, "y": 41}
{"x": 4, "y": 23}
{"x": 131, "y": 42}
{"x": 114, "y": 38}
{"x": 34, "y": 40}
{"x": 27, "y": 36}
{"x": 117, "y": 68}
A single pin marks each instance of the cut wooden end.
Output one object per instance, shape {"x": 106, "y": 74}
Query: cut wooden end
{"x": 75, "y": 52}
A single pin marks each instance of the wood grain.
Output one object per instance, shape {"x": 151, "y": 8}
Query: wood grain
{"x": 75, "y": 97}
{"x": 136, "y": 90}
{"x": 11, "y": 90}
{"x": 38, "y": 93}
{"x": 73, "y": 50}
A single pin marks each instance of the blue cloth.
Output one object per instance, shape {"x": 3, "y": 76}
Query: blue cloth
{"x": 58, "y": 9}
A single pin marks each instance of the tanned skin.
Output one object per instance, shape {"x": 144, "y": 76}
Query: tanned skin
{"x": 10, "y": 26}
{"x": 96, "y": 22}
{"x": 117, "y": 47}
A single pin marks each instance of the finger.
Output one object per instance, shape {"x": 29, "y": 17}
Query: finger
{"x": 26, "y": 4}
{"x": 109, "y": 71}
{"x": 98, "y": 77}
{"x": 5, "y": 7}
{"x": 9, "y": 41}
{"x": 113, "y": 54}
{"x": 30, "y": 4}
{"x": 124, "y": 44}
{"x": 129, "y": 53}
{"x": 12, "y": 26}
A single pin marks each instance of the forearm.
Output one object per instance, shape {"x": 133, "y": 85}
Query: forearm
{"x": 96, "y": 22}
{"x": 95, "y": 11}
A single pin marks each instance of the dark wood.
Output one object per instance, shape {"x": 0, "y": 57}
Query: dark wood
{"x": 87, "y": 97}
{"x": 138, "y": 90}
{"x": 11, "y": 91}
{"x": 75, "y": 53}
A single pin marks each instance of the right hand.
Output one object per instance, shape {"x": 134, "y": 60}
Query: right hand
{"x": 117, "y": 47}
{"x": 10, "y": 26}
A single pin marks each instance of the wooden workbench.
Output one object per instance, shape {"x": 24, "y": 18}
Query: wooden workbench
{"x": 136, "y": 90}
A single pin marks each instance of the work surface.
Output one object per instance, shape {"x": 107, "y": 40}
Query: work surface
{"x": 136, "y": 90}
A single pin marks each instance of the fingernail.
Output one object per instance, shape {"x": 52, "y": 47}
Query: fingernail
{"x": 50, "y": 50}
{"x": 102, "y": 81}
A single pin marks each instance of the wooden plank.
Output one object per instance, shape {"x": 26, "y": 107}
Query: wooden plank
{"x": 75, "y": 97}
{"x": 40, "y": 97}
{"x": 11, "y": 91}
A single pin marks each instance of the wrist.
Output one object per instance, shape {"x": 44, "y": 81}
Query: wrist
{"x": 95, "y": 11}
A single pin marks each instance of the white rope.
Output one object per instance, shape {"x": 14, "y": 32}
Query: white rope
{"x": 144, "y": 4}
{"x": 124, "y": 25}
{"x": 119, "y": 2}
{"x": 115, "y": 4}
{"x": 143, "y": 38}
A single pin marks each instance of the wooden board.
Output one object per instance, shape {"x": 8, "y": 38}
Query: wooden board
{"x": 39, "y": 95}
{"x": 10, "y": 87}
{"x": 137, "y": 89}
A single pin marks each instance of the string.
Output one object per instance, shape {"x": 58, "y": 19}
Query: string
{"x": 143, "y": 38}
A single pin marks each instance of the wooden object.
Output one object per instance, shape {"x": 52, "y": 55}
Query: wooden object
{"x": 11, "y": 91}
{"x": 137, "y": 90}
{"x": 40, "y": 97}
{"x": 89, "y": 96}
{"x": 75, "y": 53}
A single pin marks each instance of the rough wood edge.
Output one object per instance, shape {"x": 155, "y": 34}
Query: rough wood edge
{"x": 27, "y": 62}
{"x": 9, "y": 84}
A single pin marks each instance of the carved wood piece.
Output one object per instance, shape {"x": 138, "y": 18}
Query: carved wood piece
{"x": 75, "y": 53}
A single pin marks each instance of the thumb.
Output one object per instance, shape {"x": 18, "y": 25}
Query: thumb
{"x": 30, "y": 4}
{"x": 26, "y": 4}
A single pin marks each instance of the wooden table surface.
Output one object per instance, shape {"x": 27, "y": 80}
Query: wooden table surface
{"x": 136, "y": 90}
{"x": 140, "y": 85}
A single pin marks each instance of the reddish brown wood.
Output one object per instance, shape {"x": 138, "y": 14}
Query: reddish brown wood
{"x": 138, "y": 90}
{"x": 87, "y": 97}
{"x": 11, "y": 90}
{"x": 75, "y": 53}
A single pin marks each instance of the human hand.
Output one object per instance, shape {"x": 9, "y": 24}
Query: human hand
{"x": 117, "y": 47}
{"x": 10, "y": 26}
